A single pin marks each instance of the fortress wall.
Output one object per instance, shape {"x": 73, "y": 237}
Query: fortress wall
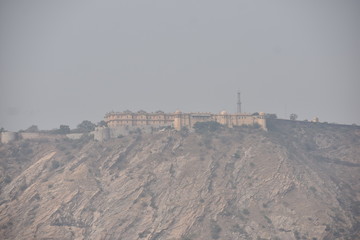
{"x": 262, "y": 123}
{"x": 237, "y": 120}
{"x": 101, "y": 133}
{"x": 189, "y": 120}
{"x": 39, "y": 135}
{"x": 194, "y": 118}
{"x": 224, "y": 120}
{"x": 247, "y": 121}
{"x": 74, "y": 136}
{"x": 7, "y": 137}
{"x": 115, "y": 132}
{"x": 26, "y": 135}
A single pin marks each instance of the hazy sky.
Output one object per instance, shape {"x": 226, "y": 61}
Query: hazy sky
{"x": 65, "y": 61}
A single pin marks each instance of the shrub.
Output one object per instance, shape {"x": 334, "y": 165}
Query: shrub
{"x": 64, "y": 129}
{"x": 215, "y": 230}
{"x": 36, "y": 197}
{"x": 184, "y": 131}
{"x": 86, "y": 126}
{"x": 237, "y": 228}
{"x": 297, "y": 235}
{"x": 207, "y": 142}
{"x": 54, "y": 165}
{"x": 23, "y": 187}
{"x": 313, "y": 189}
{"x": 246, "y": 212}
{"x": 144, "y": 234}
{"x": 204, "y": 127}
{"x": 187, "y": 237}
{"x": 260, "y": 238}
{"x": 270, "y": 116}
{"x": 32, "y": 128}
{"x": 102, "y": 124}
{"x": 293, "y": 116}
{"x": 7, "y": 179}
{"x": 268, "y": 219}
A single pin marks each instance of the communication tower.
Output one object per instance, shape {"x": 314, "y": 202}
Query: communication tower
{"x": 238, "y": 103}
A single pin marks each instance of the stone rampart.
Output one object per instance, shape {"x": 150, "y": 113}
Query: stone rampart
{"x": 101, "y": 133}
{"x": 74, "y": 136}
{"x": 39, "y": 135}
{"x": 7, "y": 137}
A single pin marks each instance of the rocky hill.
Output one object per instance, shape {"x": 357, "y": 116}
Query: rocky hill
{"x": 296, "y": 181}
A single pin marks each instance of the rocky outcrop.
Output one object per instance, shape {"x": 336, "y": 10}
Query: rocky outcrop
{"x": 292, "y": 182}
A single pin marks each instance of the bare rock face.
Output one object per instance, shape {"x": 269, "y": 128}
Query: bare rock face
{"x": 296, "y": 181}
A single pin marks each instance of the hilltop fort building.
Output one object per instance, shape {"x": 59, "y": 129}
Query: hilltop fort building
{"x": 123, "y": 123}
{"x": 179, "y": 120}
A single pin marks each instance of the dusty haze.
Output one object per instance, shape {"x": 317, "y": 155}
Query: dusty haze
{"x": 65, "y": 61}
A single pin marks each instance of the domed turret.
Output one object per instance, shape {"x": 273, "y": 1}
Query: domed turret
{"x": 223, "y": 113}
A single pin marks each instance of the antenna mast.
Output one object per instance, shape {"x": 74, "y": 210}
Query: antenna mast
{"x": 238, "y": 102}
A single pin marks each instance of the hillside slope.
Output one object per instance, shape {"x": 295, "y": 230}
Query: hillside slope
{"x": 296, "y": 181}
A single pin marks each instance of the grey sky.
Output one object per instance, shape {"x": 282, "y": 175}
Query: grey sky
{"x": 62, "y": 62}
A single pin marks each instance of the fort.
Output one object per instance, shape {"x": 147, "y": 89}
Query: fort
{"x": 124, "y": 123}
{"x": 179, "y": 120}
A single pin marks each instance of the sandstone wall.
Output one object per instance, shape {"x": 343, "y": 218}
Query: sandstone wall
{"x": 40, "y": 135}
{"x": 7, "y": 137}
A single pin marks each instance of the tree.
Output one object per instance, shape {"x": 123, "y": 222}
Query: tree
{"x": 64, "y": 129}
{"x": 102, "y": 124}
{"x": 32, "y": 128}
{"x": 202, "y": 127}
{"x": 86, "y": 126}
{"x": 271, "y": 116}
{"x": 293, "y": 116}
{"x": 184, "y": 131}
